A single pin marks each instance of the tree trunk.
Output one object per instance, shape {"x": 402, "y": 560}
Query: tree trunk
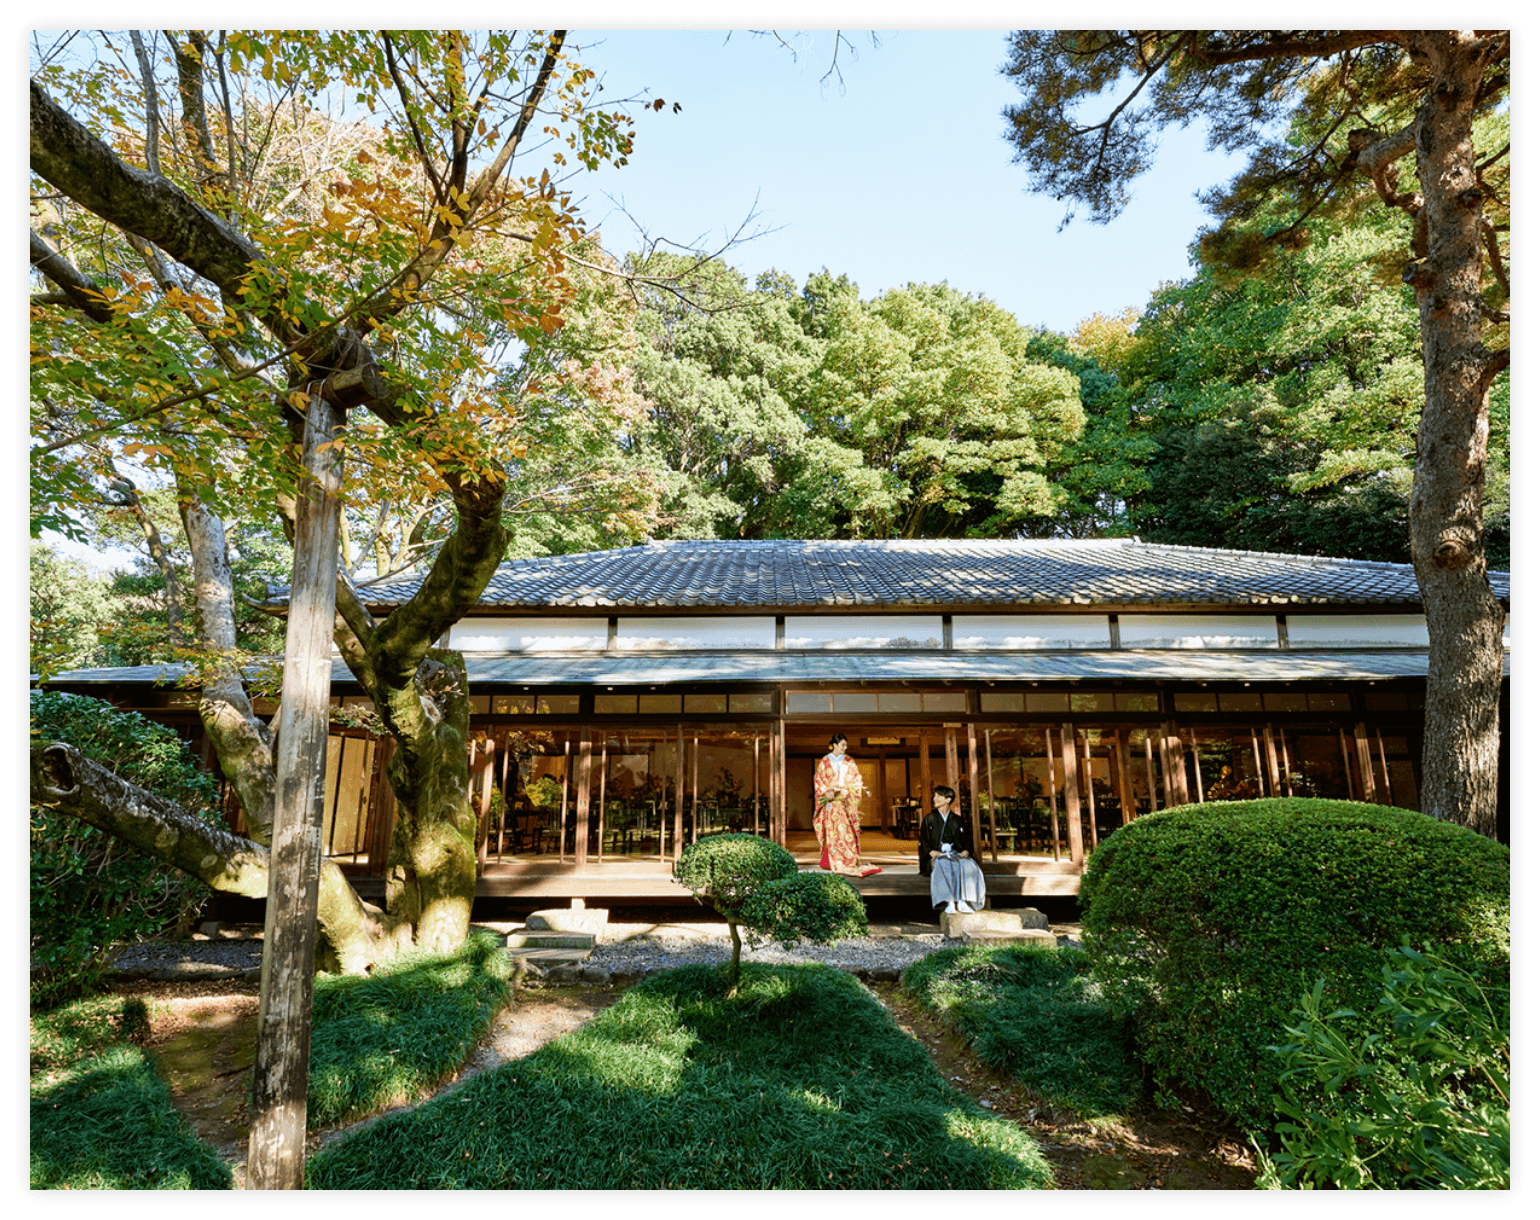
{"x": 1461, "y": 729}
{"x": 282, "y": 1070}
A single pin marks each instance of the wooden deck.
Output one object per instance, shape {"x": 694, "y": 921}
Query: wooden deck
{"x": 547, "y": 879}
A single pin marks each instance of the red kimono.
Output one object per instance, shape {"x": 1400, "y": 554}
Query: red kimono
{"x": 837, "y": 790}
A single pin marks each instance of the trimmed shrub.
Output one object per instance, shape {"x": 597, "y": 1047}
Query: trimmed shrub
{"x": 90, "y": 892}
{"x": 820, "y": 907}
{"x": 1205, "y": 925}
{"x": 723, "y": 870}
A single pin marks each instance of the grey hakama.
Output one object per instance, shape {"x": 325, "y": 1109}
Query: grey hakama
{"x": 958, "y": 880}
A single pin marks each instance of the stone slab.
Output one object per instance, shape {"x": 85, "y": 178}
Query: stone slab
{"x": 1022, "y": 936}
{"x": 552, "y": 957}
{"x": 954, "y": 925}
{"x": 550, "y": 940}
{"x": 570, "y": 919}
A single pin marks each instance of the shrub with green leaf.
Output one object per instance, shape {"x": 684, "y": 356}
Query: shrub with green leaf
{"x": 754, "y": 883}
{"x": 89, "y": 891}
{"x": 1415, "y": 1099}
{"x": 1205, "y": 924}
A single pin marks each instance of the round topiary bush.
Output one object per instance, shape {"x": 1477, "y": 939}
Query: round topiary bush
{"x": 90, "y": 892}
{"x": 725, "y": 869}
{"x": 820, "y": 907}
{"x": 1206, "y": 924}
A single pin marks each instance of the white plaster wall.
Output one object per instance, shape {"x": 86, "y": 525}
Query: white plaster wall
{"x": 1198, "y": 630}
{"x": 863, "y": 631}
{"x": 650, "y": 633}
{"x": 530, "y": 634}
{"x": 1358, "y": 630}
{"x": 1031, "y": 631}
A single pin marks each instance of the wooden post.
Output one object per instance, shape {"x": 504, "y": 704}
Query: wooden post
{"x": 561, "y": 822}
{"x": 1072, "y": 796}
{"x": 1090, "y": 788}
{"x": 485, "y": 749}
{"x": 953, "y": 775}
{"x": 1053, "y": 792}
{"x": 604, "y": 771}
{"x": 973, "y": 786}
{"x": 1384, "y": 767}
{"x": 756, "y": 783}
{"x": 884, "y": 810}
{"x": 1267, "y": 786}
{"x": 1366, "y": 764}
{"x": 276, "y": 1151}
{"x": 1197, "y": 766}
{"x": 1125, "y": 779}
{"x": 1149, "y": 770}
{"x": 989, "y": 771}
{"x": 1288, "y": 767}
{"x": 502, "y": 820}
{"x": 1347, "y": 763}
{"x": 585, "y": 772}
{"x": 679, "y": 796}
{"x": 778, "y": 778}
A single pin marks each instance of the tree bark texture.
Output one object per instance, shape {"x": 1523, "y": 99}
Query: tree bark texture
{"x": 1465, "y": 621}
{"x": 276, "y": 1160}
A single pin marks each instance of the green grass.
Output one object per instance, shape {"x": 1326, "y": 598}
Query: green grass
{"x": 800, "y": 1080}
{"x": 102, "y": 1119}
{"x": 1030, "y": 1014}
{"x": 388, "y": 1038}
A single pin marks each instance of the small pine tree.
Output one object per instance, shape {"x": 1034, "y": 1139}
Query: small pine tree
{"x": 754, "y": 883}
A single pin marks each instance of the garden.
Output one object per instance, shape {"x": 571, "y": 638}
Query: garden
{"x": 1326, "y": 983}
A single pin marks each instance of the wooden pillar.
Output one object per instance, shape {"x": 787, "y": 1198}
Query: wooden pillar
{"x": 989, "y": 771}
{"x": 1347, "y": 764}
{"x": 925, "y": 775}
{"x": 1072, "y": 796}
{"x": 756, "y": 783}
{"x": 1090, "y": 788}
{"x": 973, "y": 785}
{"x": 953, "y": 775}
{"x": 1271, "y": 749}
{"x": 1267, "y": 786}
{"x": 1125, "y": 779}
{"x": 1197, "y": 766}
{"x": 584, "y": 774}
{"x": 561, "y": 822}
{"x": 604, "y": 771}
{"x": 502, "y": 819}
{"x": 1288, "y": 767}
{"x": 1174, "y": 764}
{"x": 1366, "y": 764}
{"x": 1053, "y": 792}
{"x": 779, "y": 763}
{"x": 1384, "y": 767}
{"x": 695, "y": 789}
{"x": 1149, "y": 769}
{"x": 679, "y": 796}
{"x": 884, "y": 810}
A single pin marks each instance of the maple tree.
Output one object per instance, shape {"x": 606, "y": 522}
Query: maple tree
{"x": 233, "y": 223}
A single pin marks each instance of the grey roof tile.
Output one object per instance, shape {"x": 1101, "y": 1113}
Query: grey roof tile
{"x": 791, "y": 574}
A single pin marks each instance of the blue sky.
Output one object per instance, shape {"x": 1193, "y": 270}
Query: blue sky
{"x": 904, "y": 175}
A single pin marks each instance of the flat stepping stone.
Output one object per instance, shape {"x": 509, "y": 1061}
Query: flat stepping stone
{"x": 551, "y": 940}
{"x": 958, "y": 922}
{"x": 546, "y": 958}
{"x": 593, "y": 921}
{"x": 1022, "y": 936}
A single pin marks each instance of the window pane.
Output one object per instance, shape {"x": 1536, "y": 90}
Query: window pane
{"x": 657, "y": 705}
{"x": 513, "y": 705}
{"x": 1000, "y": 701}
{"x": 1047, "y": 701}
{"x": 1194, "y": 701}
{"x": 1090, "y": 701}
{"x": 757, "y": 701}
{"x": 1240, "y": 701}
{"x": 808, "y": 701}
{"x": 898, "y": 701}
{"x": 1285, "y": 701}
{"x": 845, "y": 701}
{"x": 557, "y": 705}
{"x": 614, "y": 705}
{"x": 948, "y": 701}
{"x": 1137, "y": 703}
{"x": 704, "y": 705}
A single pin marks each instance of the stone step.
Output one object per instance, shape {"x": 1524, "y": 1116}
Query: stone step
{"x": 546, "y": 958}
{"x": 551, "y": 940}
{"x": 955, "y": 924}
{"x": 1022, "y": 936}
{"x": 593, "y": 921}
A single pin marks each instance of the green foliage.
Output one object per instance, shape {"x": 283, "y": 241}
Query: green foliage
{"x": 1204, "y": 924}
{"x": 820, "y": 907}
{"x": 725, "y": 870}
{"x": 69, "y": 607}
{"x": 799, "y": 1080}
{"x": 89, "y": 892}
{"x": 1414, "y": 1096}
{"x": 544, "y": 792}
{"x": 1034, "y": 1014}
{"x": 389, "y": 1038}
{"x": 102, "y": 1119}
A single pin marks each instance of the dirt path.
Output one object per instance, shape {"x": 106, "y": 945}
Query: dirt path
{"x": 205, "y": 1044}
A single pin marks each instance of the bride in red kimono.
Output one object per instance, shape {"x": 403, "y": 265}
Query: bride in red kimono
{"x": 837, "y": 790}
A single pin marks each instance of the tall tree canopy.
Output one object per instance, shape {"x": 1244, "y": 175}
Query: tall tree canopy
{"x": 1336, "y": 119}
{"x": 227, "y": 224}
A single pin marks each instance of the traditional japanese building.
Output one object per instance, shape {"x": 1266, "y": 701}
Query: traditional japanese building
{"x": 627, "y": 701}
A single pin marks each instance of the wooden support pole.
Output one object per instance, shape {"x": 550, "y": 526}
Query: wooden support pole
{"x": 679, "y": 796}
{"x": 695, "y": 788}
{"x": 486, "y": 757}
{"x": 1149, "y": 769}
{"x": 989, "y": 771}
{"x": 561, "y": 818}
{"x": 502, "y": 820}
{"x": 953, "y": 774}
{"x": 1125, "y": 778}
{"x": 1366, "y": 764}
{"x": 604, "y": 771}
{"x": 1384, "y": 767}
{"x": 1072, "y": 796}
{"x": 778, "y": 777}
{"x": 1053, "y": 792}
{"x": 584, "y": 776}
{"x": 884, "y": 810}
{"x": 1347, "y": 764}
{"x": 1090, "y": 788}
{"x": 276, "y": 1151}
{"x": 1288, "y": 766}
{"x": 925, "y": 775}
{"x": 1267, "y": 781}
{"x": 756, "y": 783}
{"x": 973, "y": 786}
{"x": 1197, "y": 766}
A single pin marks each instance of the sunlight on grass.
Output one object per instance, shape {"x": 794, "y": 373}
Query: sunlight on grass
{"x": 802, "y": 1080}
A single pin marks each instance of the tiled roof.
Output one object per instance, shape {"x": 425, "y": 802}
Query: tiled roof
{"x": 626, "y": 670}
{"x": 791, "y": 574}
